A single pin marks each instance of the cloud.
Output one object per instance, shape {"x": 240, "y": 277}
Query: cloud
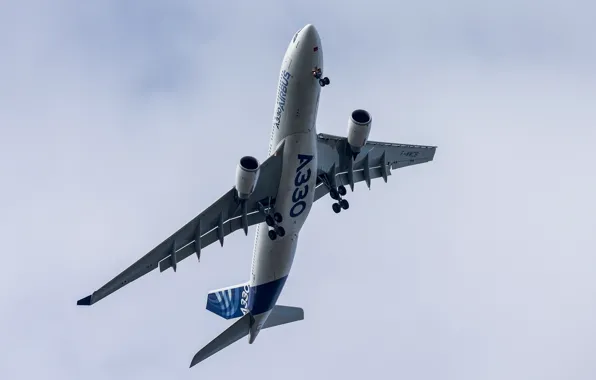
{"x": 123, "y": 120}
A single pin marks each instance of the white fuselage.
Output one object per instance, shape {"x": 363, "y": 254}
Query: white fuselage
{"x": 294, "y": 120}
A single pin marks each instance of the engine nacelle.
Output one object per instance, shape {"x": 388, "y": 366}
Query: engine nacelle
{"x": 247, "y": 174}
{"x": 358, "y": 129}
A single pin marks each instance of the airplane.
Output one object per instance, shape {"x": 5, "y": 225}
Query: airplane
{"x": 277, "y": 195}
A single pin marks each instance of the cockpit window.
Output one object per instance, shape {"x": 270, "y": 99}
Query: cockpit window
{"x": 296, "y": 35}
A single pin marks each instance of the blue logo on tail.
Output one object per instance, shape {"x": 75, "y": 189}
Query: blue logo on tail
{"x": 229, "y": 303}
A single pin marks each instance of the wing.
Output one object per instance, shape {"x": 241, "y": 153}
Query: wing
{"x": 220, "y": 219}
{"x": 376, "y": 159}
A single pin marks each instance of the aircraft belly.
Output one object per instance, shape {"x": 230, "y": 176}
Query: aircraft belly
{"x": 273, "y": 259}
{"x": 294, "y": 124}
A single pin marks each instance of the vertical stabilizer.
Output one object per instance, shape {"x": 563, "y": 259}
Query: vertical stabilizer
{"x": 230, "y": 302}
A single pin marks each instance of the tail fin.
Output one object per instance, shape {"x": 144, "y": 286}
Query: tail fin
{"x": 230, "y": 302}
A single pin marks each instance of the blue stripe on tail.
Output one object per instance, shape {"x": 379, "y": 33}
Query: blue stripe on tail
{"x": 263, "y": 297}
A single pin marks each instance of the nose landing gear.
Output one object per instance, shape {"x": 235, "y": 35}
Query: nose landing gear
{"x": 324, "y": 82}
{"x": 317, "y": 73}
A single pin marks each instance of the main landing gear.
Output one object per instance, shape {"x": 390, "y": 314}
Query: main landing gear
{"x": 337, "y": 196}
{"x": 336, "y": 192}
{"x": 317, "y": 73}
{"x": 276, "y": 230}
{"x": 273, "y": 219}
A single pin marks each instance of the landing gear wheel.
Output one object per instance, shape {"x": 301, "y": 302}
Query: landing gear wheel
{"x": 326, "y": 80}
{"x": 342, "y": 190}
{"x": 344, "y": 204}
{"x": 269, "y": 220}
{"x": 336, "y": 207}
{"x": 281, "y": 232}
{"x": 278, "y": 218}
{"x": 334, "y": 194}
{"x": 322, "y": 82}
{"x": 272, "y": 234}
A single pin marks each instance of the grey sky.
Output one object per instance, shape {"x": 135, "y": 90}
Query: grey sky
{"x": 121, "y": 120}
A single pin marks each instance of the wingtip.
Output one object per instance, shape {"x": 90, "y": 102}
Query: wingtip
{"x": 85, "y": 301}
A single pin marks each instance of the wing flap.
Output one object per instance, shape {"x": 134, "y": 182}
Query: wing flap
{"x": 335, "y": 149}
{"x": 374, "y": 160}
{"x": 210, "y": 237}
{"x": 342, "y": 179}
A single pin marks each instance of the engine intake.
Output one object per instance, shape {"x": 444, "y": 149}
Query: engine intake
{"x": 358, "y": 129}
{"x": 247, "y": 174}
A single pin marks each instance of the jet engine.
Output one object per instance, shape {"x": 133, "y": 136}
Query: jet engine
{"x": 247, "y": 174}
{"x": 358, "y": 129}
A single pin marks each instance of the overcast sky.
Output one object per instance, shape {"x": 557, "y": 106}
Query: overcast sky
{"x": 122, "y": 120}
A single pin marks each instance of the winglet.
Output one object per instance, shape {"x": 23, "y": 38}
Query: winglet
{"x": 85, "y": 301}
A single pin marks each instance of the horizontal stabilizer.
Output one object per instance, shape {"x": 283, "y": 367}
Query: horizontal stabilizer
{"x": 84, "y": 301}
{"x": 237, "y": 331}
{"x": 281, "y": 315}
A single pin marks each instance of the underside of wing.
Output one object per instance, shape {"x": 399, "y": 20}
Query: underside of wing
{"x": 229, "y": 213}
{"x": 339, "y": 164}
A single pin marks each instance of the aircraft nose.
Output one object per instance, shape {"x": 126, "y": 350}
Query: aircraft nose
{"x": 310, "y": 34}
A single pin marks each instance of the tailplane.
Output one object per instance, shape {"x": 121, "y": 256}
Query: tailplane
{"x": 279, "y": 315}
{"x": 237, "y": 331}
